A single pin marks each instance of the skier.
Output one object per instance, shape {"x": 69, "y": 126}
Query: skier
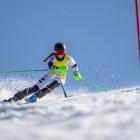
{"x": 58, "y": 63}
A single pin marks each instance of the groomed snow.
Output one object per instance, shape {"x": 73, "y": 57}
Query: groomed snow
{"x": 114, "y": 115}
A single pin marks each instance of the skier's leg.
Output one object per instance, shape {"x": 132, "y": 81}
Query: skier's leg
{"x": 47, "y": 89}
{"x": 43, "y": 92}
{"x": 42, "y": 82}
{"x": 21, "y": 94}
{"x": 38, "y": 86}
{"x": 56, "y": 82}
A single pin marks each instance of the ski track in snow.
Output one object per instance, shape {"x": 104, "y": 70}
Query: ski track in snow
{"x": 114, "y": 115}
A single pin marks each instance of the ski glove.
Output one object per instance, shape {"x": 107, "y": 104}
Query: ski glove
{"x": 77, "y": 76}
{"x": 62, "y": 69}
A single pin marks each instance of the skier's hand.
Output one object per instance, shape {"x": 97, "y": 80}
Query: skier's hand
{"x": 62, "y": 69}
{"x": 77, "y": 76}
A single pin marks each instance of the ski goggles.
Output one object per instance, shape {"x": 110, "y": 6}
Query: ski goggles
{"x": 62, "y": 53}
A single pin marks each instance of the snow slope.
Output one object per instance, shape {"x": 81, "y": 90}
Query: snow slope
{"x": 114, "y": 115}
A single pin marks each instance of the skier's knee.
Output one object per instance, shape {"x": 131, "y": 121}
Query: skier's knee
{"x": 21, "y": 94}
{"x": 33, "y": 89}
{"x": 53, "y": 85}
{"x": 48, "y": 89}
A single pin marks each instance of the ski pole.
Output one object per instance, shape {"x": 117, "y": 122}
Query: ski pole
{"x": 18, "y": 71}
{"x": 100, "y": 88}
{"x": 64, "y": 91}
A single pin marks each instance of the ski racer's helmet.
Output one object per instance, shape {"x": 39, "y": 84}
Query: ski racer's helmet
{"x": 60, "y": 49}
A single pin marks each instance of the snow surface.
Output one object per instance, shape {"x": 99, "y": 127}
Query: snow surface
{"x": 114, "y": 115}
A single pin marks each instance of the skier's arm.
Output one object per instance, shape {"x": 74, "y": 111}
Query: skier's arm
{"x": 75, "y": 68}
{"x": 52, "y": 66}
{"x": 77, "y": 75}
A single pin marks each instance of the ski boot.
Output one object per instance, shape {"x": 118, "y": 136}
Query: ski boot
{"x": 31, "y": 99}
